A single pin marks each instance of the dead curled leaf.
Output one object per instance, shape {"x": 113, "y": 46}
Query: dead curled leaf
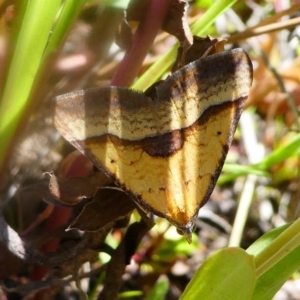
{"x": 71, "y": 191}
{"x": 124, "y": 35}
{"x": 176, "y": 22}
{"x": 200, "y": 48}
{"x": 186, "y": 54}
{"x": 107, "y": 206}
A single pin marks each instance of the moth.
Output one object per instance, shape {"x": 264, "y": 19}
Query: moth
{"x": 166, "y": 148}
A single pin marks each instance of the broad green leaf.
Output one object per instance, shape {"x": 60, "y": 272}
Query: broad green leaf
{"x": 228, "y": 274}
{"x": 265, "y": 240}
{"x": 279, "y": 251}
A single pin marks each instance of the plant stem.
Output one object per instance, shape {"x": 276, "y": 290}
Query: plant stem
{"x": 142, "y": 41}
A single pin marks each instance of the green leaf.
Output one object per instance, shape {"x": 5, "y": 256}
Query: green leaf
{"x": 265, "y": 240}
{"x": 229, "y": 274}
{"x": 38, "y": 30}
{"x": 160, "y": 289}
{"x": 130, "y": 294}
{"x": 277, "y": 257}
{"x": 232, "y": 171}
{"x": 30, "y": 36}
{"x": 203, "y": 3}
{"x": 68, "y": 13}
{"x": 290, "y": 149}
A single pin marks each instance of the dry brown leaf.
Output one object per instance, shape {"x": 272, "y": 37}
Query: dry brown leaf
{"x": 71, "y": 191}
{"x": 108, "y": 205}
{"x": 201, "y": 47}
{"x": 176, "y": 22}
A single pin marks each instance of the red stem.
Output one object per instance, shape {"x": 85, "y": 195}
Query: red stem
{"x": 142, "y": 41}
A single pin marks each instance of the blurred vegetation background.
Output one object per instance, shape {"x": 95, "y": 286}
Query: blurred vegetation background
{"x": 48, "y": 48}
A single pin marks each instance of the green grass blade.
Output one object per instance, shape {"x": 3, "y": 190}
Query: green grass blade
{"x": 68, "y": 14}
{"x": 292, "y": 148}
{"x": 38, "y": 30}
{"x": 201, "y": 26}
{"x": 281, "y": 154}
{"x": 34, "y": 26}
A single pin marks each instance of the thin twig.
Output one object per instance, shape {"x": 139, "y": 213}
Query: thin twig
{"x": 255, "y": 31}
